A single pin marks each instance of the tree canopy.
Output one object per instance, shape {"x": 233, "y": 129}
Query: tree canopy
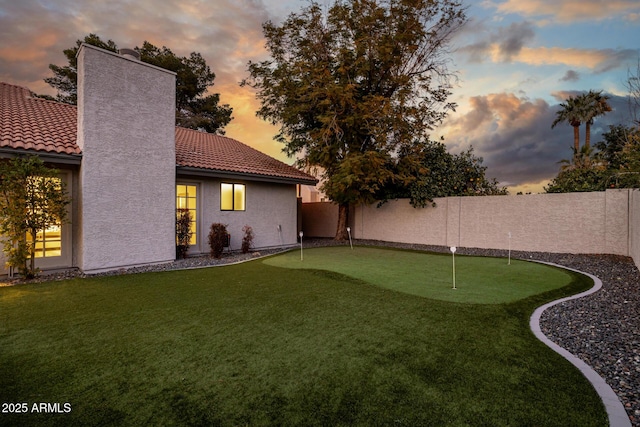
{"x": 442, "y": 174}
{"x": 583, "y": 108}
{"x": 354, "y": 86}
{"x": 616, "y": 164}
{"x": 194, "y": 108}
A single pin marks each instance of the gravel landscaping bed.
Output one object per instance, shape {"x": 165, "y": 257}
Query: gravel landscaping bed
{"x": 602, "y": 329}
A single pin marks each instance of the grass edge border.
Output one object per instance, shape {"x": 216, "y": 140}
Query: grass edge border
{"x": 615, "y": 409}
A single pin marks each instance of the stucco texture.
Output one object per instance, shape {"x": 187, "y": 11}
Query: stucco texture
{"x": 596, "y": 222}
{"x": 270, "y": 210}
{"x": 126, "y": 122}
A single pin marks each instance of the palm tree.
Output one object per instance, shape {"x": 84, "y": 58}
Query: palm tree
{"x": 585, "y": 158}
{"x": 572, "y": 113}
{"x": 595, "y": 104}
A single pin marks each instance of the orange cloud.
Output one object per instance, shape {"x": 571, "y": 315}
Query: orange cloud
{"x": 598, "y": 60}
{"x": 569, "y": 56}
{"x": 570, "y": 10}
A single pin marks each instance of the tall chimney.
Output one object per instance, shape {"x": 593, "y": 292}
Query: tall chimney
{"x": 126, "y": 130}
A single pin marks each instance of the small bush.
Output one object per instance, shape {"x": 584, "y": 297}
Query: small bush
{"x": 183, "y": 232}
{"x": 247, "y": 239}
{"x": 218, "y": 239}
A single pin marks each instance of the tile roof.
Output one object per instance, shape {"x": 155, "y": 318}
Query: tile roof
{"x": 209, "y": 151}
{"x": 31, "y": 123}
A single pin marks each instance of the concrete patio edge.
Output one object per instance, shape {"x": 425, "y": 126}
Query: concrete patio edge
{"x": 615, "y": 410}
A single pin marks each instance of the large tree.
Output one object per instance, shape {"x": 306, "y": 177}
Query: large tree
{"x": 353, "y": 84}
{"x": 194, "y": 108}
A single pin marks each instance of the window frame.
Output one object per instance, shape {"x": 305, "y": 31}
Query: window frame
{"x": 48, "y": 242}
{"x": 223, "y": 193}
{"x": 195, "y": 218}
{"x": 67, "y": 242}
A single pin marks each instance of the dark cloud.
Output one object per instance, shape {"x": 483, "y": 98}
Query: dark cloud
{"x": 615, "y": 58}
{"x": 513, "y": 38}
{"x": 570, "y": 76}
{"x": 514, "y": 136}
{"x": 509, "y": 41}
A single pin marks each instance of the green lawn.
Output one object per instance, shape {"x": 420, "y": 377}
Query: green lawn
{"x": 479, "y": 280}
{"x": 255, "y": 344}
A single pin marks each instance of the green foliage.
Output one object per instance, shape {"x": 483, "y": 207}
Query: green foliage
{"x": 434, "y": 172}
{"x": 353, "y": 83}
{"x": 571, "y": 112}
{"x": 620, "y": 146}
{"x": 183, "y": 232}
{"x": 65, "y": 78}
{"x": 595, "y": 105}
{"x": 32, "y": 198}
{"x": 247, "y": 238}
{"x": 580, "y": 109}
{"x": 360, "y": 178}
{"x": 615, "y": 165}
{"x": 194, "y": 109}
{"x": 578, "y": 180}
{"x": 218, "y": 239}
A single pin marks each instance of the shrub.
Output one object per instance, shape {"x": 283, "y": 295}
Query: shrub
{"x": 218, "y": 239}
{"x": 183, "y": 232}
{"x": 247, "y": 239}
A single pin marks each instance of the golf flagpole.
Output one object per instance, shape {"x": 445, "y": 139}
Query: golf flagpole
{"x": 453, "y": 254}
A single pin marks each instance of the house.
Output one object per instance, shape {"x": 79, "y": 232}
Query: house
{"x": 128, "y": 167}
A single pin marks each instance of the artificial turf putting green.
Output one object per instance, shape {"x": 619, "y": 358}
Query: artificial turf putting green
{"x": 259, "y": 345}
{"x": 479, "y": 280}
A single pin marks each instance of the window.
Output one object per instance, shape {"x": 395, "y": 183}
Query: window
{"x": 232, "y": 197}
{"x": 186, "y": 199}
{"x": 48, "y": 242}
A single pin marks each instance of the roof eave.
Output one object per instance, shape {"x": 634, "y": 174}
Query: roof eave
{"x": 46, "y": 156}
{"x": 222, "y": 174}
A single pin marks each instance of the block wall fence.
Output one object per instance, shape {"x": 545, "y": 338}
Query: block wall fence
{"x": 605, "y": 222}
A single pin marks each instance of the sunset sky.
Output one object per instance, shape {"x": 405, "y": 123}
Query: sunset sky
{"x": 516, "y": 59}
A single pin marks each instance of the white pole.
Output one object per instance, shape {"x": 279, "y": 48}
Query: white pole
{"x": 350, "y": 242}
{"x": 509, "y": 248}
{"x": 301, "y": 234}
{"x": 453, "y": 254}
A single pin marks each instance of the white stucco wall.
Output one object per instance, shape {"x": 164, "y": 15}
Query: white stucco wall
{"x": 634, "y": 228}
{"x": 617, "y": 226}
{"x": 268, "y": 205}
{"x": 126, "y": 129}
{"x": 598, "y": 222}
{"x": 319, "y": 219}
{"x": 572, "y": 222}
